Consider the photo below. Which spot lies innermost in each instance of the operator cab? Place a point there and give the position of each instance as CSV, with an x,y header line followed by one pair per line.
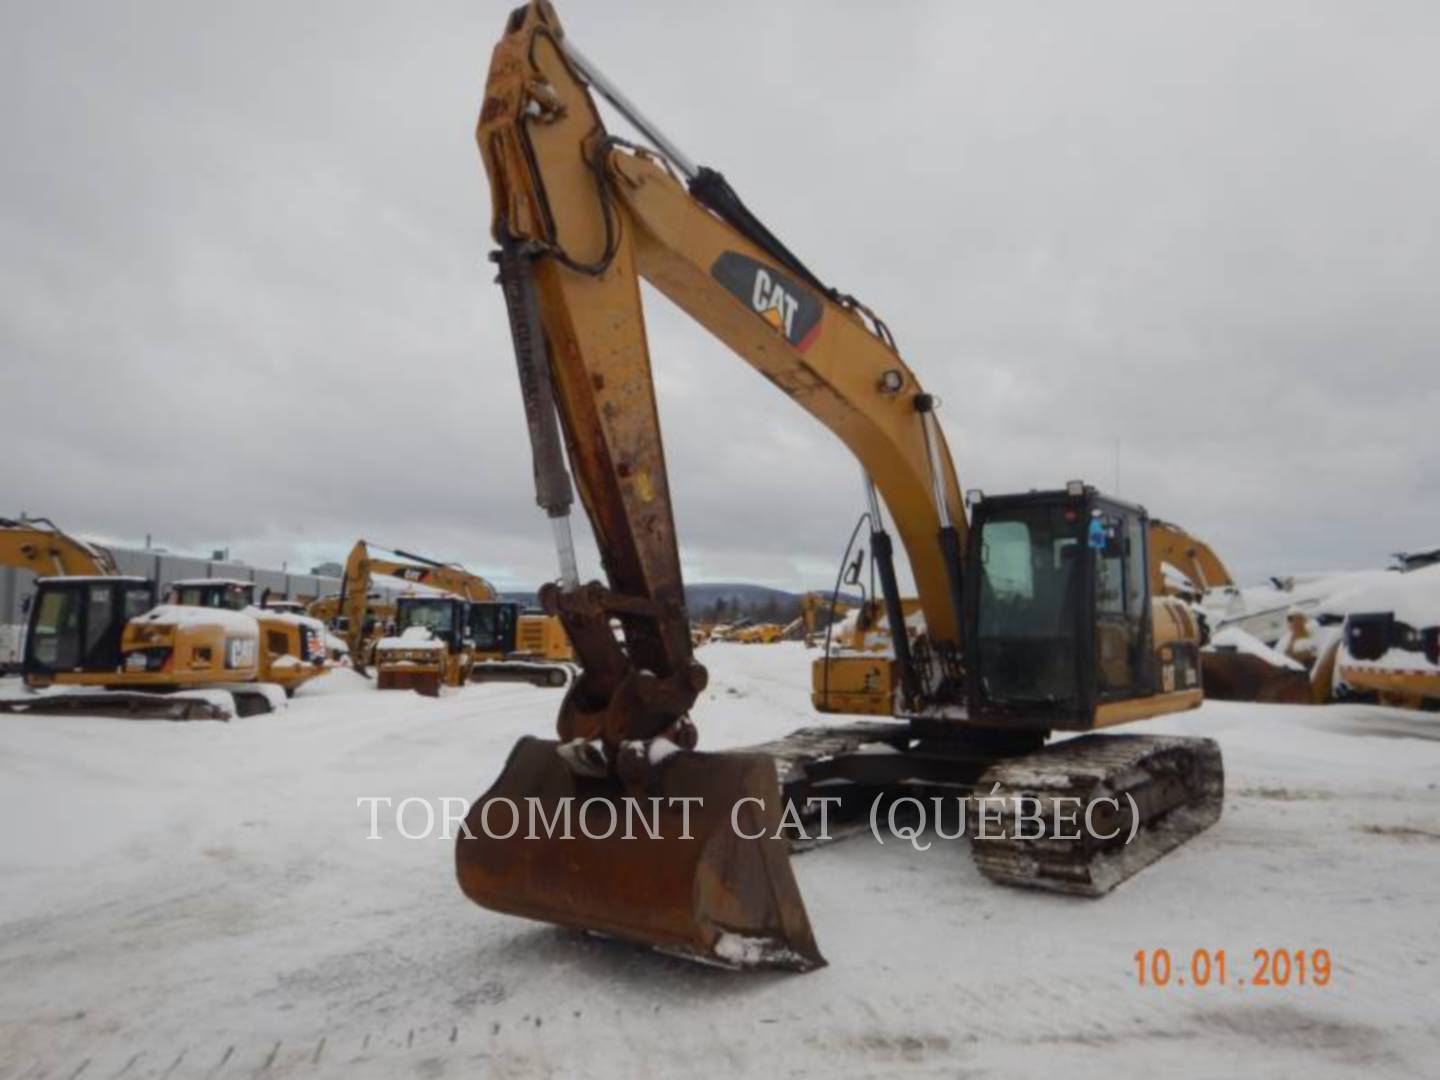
x,y
443,616
226,593
76,623
493,625
1058,619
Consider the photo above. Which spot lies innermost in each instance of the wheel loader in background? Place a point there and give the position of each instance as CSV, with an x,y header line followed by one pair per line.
x,y
1038,613
97,643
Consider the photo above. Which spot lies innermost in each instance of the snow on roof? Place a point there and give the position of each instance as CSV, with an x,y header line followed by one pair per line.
x,y
414,637
1412,597
289,617
1232,637
128,578
236,623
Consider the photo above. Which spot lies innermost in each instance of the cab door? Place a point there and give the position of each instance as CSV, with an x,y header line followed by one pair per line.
x,y
1117,540
55,639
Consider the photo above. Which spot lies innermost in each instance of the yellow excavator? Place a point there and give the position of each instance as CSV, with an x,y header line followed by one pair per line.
x,y
43,548
96,642
292,645
1037,610
1172,546
819,612
458,629
1230,674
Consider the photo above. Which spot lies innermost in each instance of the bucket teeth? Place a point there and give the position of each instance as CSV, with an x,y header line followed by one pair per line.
x,y
1173,786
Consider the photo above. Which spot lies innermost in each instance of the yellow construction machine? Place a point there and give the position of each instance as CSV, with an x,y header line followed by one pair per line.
x,y
292,645
457,629
96,642
1171,546
1388,647
765,633
1206,584
819,612
1037,610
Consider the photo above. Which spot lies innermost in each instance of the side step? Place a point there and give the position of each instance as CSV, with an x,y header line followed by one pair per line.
x,y
1163,789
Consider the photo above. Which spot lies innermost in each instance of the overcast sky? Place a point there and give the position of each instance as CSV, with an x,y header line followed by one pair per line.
x,y
244,297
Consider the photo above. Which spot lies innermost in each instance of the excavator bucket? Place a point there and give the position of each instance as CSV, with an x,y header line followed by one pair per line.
x,y
704,875
1229,675
425,683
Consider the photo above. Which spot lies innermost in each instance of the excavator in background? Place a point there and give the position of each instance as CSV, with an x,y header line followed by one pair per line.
x,y
1204,575
360,618
1037,608
97,643
292,645
43,548
1231,673
459,629
818,613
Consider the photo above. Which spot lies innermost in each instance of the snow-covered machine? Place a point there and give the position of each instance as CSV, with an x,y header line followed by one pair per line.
x,y
1387,649
100,645
293,649
96,642
430,647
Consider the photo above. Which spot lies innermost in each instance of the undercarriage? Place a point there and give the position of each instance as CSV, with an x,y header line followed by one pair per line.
x,y
1077,816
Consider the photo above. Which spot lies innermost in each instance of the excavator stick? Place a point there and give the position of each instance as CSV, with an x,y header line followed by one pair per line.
x,y
688,864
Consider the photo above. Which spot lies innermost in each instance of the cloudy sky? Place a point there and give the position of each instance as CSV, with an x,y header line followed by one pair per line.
x,y
244,297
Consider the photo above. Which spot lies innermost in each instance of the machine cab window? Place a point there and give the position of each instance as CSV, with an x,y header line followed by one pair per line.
x,y
440,615
212,593
492,626
76,623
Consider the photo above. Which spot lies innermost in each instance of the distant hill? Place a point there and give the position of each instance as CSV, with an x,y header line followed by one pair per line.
x,y
736,599
735,594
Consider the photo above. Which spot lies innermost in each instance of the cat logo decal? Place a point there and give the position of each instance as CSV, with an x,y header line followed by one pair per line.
x,y
793,311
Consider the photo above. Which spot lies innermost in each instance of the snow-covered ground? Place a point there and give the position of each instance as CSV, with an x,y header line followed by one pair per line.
x,y
201,900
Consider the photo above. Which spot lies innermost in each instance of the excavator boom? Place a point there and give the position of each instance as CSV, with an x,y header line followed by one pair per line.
x,y
40,546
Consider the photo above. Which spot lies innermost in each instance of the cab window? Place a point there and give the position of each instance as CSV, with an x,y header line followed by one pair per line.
x,y
55,642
